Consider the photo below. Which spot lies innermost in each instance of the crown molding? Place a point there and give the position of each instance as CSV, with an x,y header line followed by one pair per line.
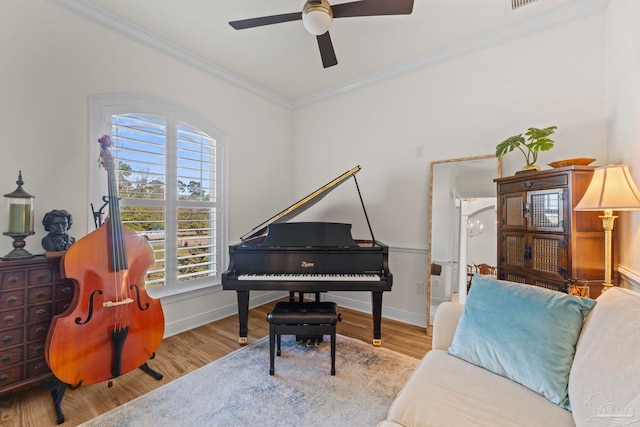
x,y
111,22
573,11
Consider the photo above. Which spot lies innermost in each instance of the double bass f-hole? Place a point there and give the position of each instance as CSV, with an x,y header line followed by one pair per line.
x,y
90,313
146,305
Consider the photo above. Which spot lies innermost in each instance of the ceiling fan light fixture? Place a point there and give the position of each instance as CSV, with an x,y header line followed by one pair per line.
x,y
317,16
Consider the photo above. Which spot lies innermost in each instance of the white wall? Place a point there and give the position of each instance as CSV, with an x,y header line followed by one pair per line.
x,y
51,60
460,108
623,119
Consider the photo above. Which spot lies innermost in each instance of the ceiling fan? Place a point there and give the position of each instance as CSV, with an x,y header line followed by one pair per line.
x,y
317,15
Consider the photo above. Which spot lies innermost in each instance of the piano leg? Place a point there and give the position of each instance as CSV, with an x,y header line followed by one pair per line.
x,y
376,301
243,316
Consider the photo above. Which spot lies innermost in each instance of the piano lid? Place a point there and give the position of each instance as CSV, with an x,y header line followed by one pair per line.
x,y
301,205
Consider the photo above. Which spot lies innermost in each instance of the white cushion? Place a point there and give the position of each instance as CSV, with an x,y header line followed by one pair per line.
x,y
447,391
604,382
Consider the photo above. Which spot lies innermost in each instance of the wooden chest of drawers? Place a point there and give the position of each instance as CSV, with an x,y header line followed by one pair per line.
x,y
31,293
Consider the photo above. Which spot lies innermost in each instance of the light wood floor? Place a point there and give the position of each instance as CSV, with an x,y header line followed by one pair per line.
x,y
183,353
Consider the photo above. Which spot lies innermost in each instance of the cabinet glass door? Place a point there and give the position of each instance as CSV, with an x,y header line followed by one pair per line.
x,y
545,210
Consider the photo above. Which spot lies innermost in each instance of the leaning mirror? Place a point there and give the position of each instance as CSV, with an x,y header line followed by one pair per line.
x,y
462,227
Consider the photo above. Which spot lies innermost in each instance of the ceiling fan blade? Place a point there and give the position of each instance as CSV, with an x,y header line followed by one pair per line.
x,y
265,20
327,53
372,8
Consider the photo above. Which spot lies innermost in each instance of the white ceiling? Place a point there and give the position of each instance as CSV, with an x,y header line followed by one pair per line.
x,y
281,62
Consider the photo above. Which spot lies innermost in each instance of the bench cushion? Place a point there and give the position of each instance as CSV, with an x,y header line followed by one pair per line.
x,y
310,313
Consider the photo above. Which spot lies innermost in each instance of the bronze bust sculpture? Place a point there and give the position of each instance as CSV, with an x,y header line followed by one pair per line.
x,y
57,223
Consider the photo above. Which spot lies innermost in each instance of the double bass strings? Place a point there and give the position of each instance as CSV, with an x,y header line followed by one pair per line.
x,y
118,255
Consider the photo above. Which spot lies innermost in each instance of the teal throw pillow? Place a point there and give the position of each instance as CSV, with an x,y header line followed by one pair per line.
x,y
523,332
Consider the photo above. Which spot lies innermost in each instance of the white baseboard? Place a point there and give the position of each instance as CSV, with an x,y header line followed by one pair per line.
x,y
190,322
389,313
187,323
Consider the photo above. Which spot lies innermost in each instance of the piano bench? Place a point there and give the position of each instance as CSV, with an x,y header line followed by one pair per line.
x,y
299,318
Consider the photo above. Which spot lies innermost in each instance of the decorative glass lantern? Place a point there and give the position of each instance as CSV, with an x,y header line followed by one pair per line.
x,y
19,220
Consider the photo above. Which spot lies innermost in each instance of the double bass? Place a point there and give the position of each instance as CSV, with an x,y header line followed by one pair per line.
x,y
112,326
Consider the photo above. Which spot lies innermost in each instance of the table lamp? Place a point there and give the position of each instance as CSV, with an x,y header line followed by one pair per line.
x,y
611,189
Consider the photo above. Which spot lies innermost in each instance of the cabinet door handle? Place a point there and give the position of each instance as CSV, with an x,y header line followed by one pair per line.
x,y
527,184
527,251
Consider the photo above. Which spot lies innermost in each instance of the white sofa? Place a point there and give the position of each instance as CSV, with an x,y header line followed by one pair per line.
x,y
604,378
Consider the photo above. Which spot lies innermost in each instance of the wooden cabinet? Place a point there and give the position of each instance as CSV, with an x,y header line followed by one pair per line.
x,y
541,240
31,293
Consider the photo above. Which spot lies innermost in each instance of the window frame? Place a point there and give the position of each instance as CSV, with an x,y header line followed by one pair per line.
x,y
101,108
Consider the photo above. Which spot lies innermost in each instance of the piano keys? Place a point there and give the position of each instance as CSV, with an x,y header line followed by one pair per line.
x,y
308,257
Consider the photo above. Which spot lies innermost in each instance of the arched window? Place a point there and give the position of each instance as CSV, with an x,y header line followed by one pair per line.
x,y
170,172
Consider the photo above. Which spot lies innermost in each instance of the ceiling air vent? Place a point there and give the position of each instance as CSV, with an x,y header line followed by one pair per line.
x,y
516,4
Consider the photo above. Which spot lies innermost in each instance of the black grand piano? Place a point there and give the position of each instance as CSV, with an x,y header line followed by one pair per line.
x,y
308,257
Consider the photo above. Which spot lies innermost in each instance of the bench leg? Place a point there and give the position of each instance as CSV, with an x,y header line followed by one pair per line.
x,y
333,350
279,340
272,339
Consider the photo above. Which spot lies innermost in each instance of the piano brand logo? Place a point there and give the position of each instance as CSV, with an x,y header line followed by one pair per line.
x,y
307,264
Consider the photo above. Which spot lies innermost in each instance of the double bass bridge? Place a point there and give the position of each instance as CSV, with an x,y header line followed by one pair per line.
x,y
117,303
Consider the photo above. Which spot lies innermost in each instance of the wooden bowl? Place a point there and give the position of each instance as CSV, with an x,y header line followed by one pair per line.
x,y
582,161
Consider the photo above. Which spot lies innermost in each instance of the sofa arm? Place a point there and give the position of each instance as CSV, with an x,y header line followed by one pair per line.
x,y
445,323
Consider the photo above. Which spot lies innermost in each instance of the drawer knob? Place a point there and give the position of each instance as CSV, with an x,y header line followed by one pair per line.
x,y
9,319
40,348
7,339
40,277
5,358
66,290
13,279
12,299
3,378
41,312
40,295
41,330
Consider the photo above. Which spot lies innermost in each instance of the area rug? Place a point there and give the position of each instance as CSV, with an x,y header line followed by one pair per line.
x,y
237,389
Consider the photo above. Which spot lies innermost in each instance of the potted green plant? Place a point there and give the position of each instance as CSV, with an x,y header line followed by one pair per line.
x,y
536,140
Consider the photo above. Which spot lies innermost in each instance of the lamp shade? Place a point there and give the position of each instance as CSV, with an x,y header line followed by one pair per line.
x,y
611,188
317,17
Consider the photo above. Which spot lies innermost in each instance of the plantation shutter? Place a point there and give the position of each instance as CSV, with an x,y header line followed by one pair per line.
x,y
166,174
